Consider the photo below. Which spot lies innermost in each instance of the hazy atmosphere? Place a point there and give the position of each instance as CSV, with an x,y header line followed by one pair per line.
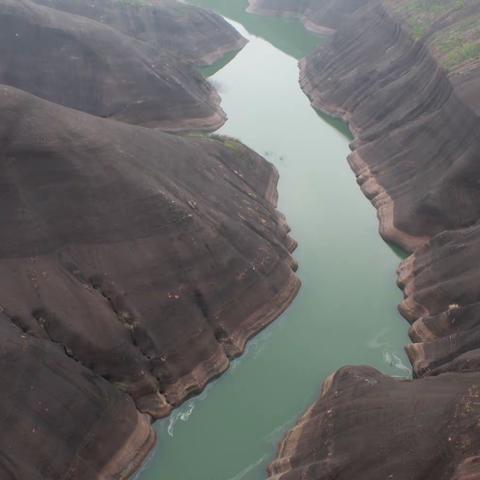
x,y
240,239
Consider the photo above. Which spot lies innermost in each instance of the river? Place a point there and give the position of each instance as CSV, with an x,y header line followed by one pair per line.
x,y
346,310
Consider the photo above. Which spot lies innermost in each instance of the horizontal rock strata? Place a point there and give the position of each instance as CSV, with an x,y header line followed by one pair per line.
x,y
82,63
61,420
192,34
441,285
451,31
416,142
412,105
407,118
134,265
320,17
368,426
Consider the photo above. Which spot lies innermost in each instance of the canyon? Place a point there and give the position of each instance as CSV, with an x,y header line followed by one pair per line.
x,y
59,52
404,75
134,264
345,312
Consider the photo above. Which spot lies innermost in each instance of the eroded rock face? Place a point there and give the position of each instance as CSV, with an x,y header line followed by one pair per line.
x,y
442,302
78,62
140,260
408,118
417,143
191,33
318,16
59,419
386,71
369,426
451,30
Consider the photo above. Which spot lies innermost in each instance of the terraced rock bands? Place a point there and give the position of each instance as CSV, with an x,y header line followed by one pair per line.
x,y
393,71
134,264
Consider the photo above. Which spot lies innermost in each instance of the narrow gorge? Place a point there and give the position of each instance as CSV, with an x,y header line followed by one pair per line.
x,y
142,254
134,264
404,75
345,311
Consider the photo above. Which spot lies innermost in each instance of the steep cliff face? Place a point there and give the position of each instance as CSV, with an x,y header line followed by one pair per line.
x,y
59,419
191,33
144,260
321,17
84,64
407,117
416,142
368,426
442,302
451,30
404,74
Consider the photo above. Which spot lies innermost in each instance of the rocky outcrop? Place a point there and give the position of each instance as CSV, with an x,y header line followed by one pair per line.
x,y
368,426
81,63
191,33
134,265
320,17
410,99
416,142
59,419
407,117
442,302
451,31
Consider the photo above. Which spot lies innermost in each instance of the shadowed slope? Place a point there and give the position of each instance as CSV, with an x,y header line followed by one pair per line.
x,y
83,64
416,157
148,258
319,16
416,142
60,420
191,33
369,426
440,283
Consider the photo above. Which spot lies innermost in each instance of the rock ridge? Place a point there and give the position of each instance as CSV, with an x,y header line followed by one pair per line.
x,y
415,155
96,64
134,264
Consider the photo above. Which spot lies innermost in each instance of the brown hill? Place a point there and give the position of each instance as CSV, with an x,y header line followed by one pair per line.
x,y
131,262
78,62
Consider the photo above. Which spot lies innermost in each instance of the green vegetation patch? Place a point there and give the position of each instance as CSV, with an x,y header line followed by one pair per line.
x,y
421,14
133,3
454,31
458,43
229,142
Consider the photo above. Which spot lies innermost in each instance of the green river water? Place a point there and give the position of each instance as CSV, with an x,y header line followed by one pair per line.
x,y
346,310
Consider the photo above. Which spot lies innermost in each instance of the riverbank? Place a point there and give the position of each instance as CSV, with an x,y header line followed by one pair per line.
x,y
415,150
135,264
232,429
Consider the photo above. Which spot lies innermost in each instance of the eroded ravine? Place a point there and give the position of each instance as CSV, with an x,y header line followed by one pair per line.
x,y
345,312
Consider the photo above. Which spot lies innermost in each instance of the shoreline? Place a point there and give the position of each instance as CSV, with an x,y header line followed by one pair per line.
x,y
196,381
296,456
320,30
368,183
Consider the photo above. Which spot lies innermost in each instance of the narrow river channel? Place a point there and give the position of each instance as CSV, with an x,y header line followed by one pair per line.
x,y
346,310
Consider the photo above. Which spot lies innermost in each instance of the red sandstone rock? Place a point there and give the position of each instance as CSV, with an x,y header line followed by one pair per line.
x,y
81,63
139,262
368,426
416,158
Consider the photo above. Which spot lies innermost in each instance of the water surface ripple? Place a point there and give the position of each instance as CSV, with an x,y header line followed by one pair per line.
x,y
345,312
